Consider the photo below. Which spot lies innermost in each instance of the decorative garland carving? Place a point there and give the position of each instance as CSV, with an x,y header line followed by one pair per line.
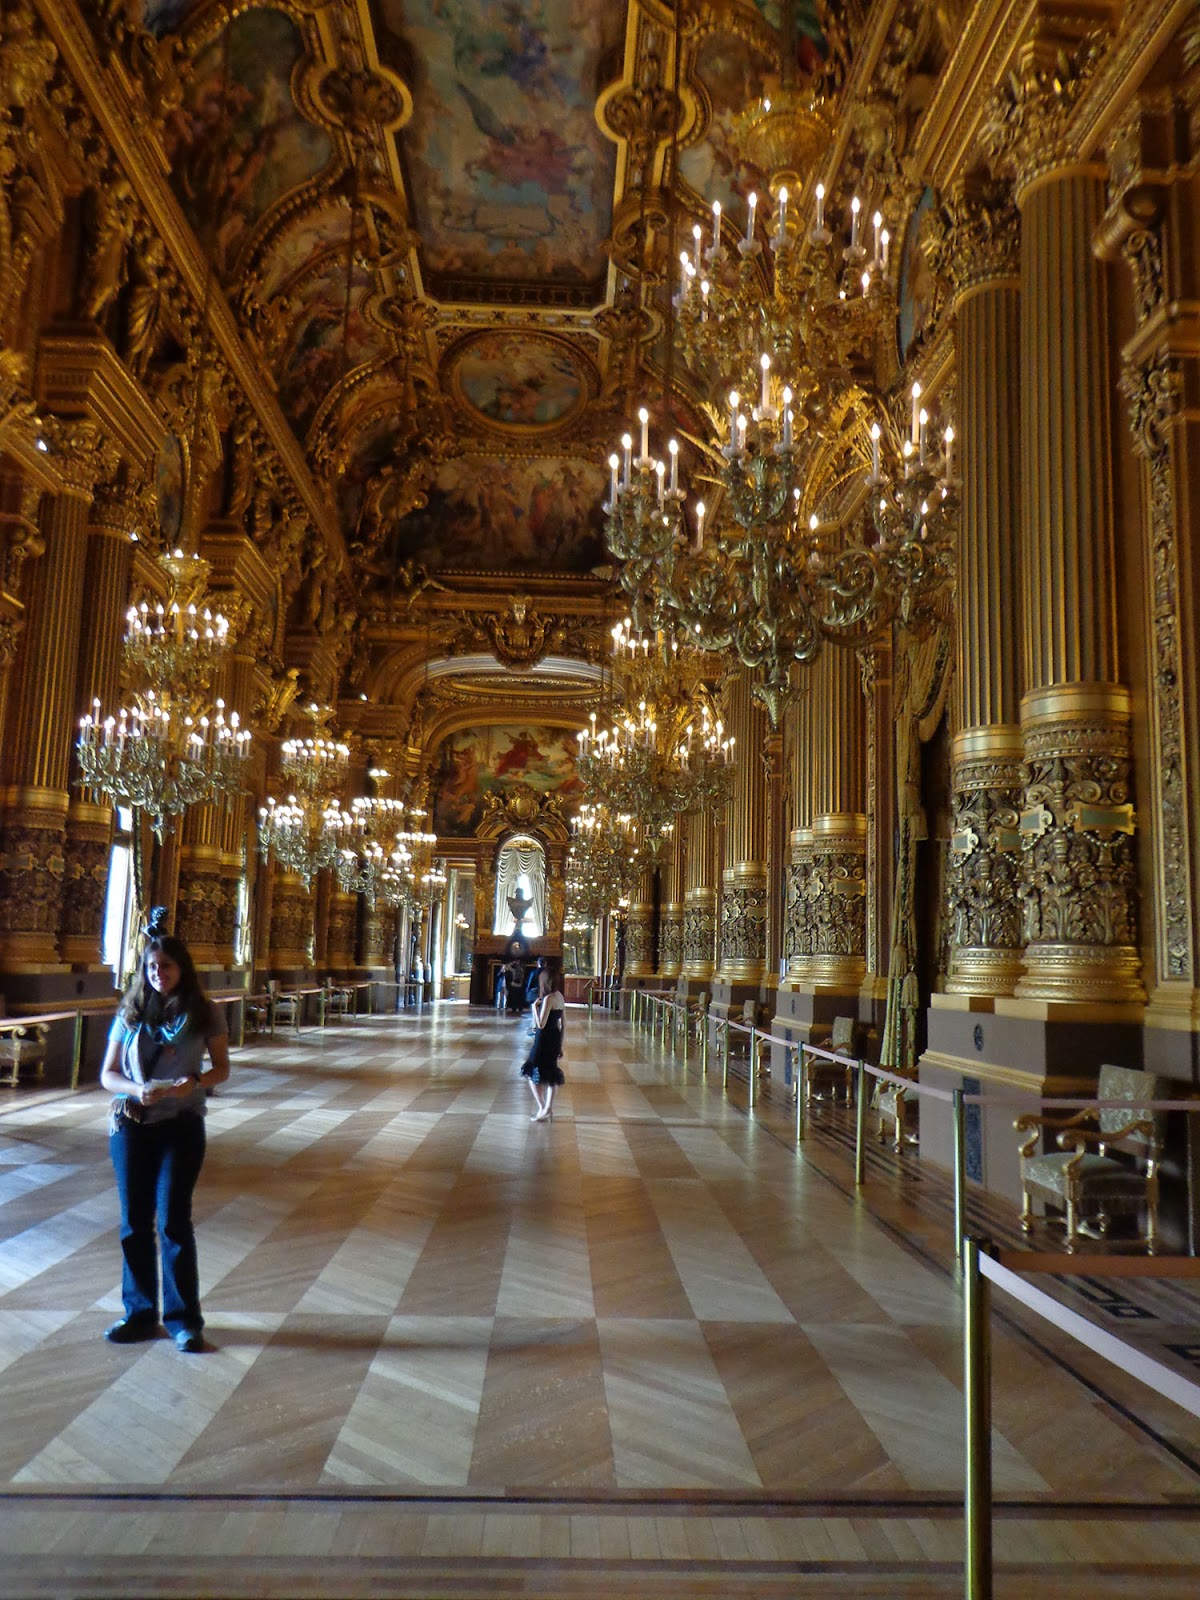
x,y
670,939
836,898
983,875
699,934
639,940
744,924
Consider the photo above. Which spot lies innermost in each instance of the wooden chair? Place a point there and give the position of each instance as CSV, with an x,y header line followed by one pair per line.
x,y
823,1078
1107,1160
338,1002
900,1106
22,1049
285,1009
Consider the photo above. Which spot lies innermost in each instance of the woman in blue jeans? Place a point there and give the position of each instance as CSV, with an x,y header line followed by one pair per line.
x,y
155,1067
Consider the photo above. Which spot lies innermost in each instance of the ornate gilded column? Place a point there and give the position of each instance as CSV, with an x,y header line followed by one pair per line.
x,y
670,921
113,519
743,930
984,868
798,741
836,888
1153,226
342,927
291,925
1079,877
700,900
639,929
42,716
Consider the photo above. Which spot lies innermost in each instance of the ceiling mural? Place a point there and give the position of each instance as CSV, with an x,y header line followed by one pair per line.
x,y
732,73
474,763
165,16
237,148
299,242
493,515
510,175
517,380
324,346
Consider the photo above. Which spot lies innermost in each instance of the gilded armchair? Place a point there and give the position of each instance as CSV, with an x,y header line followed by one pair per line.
x,y
1107,1160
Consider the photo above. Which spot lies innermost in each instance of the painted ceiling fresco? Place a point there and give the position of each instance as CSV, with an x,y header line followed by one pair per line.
x,y
477,762
517,381
238,146
510,175
486,513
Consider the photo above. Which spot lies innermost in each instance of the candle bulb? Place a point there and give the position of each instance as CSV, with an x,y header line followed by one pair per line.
x,y
613,465
884,239
716,244
949,437
699,527
787,428
750,218
734,401
781,220
644,419
922,419
673,448
875,437
855,208
741,440
764,362
916,413
866,283
627,446
820,207
877,221
661,473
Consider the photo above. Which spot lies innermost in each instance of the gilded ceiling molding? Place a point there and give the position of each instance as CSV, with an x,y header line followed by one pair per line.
x,y
108,99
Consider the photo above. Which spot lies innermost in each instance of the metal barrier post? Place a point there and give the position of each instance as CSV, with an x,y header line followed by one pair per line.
x,y
752,1062
704,1044
860,1124
977,1365
801,1080
241,1024
724,1025
960,1174
76,1051
685,1018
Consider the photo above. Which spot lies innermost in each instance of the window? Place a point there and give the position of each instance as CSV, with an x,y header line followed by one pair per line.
x,y
120,902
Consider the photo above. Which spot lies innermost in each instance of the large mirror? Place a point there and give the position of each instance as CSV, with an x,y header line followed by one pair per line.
x,y
521,888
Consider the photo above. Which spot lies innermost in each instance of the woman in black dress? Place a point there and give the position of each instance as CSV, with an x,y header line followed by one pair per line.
x,y
541,1069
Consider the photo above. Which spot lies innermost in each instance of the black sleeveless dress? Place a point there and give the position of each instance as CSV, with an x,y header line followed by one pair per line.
x,y
541,1065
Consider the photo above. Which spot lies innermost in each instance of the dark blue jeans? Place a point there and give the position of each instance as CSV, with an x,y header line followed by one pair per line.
x,y
157,1166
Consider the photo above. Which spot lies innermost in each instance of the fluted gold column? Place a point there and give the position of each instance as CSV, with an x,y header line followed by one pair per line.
x,y
1076,823
984,868
639,929
798,741
102,623
836,889
700,899
743,931
670,922
42,720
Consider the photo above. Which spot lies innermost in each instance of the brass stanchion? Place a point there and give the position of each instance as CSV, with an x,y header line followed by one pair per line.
x,y
960,1175
751,1064
724,1026
704,1044
977,1386
800,1078
860,1124
76,1051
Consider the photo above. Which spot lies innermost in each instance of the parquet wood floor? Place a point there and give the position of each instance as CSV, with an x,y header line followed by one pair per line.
x,y
646,1348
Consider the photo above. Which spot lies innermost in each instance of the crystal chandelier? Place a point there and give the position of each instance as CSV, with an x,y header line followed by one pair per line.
x,y
666,751
362,864
604,862
172,746
419,844
309,831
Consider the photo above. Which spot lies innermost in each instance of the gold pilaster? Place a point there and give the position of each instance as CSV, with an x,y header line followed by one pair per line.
x,y
291,924
799,908
639,930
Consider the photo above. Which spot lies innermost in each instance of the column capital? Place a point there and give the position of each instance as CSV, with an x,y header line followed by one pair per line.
x,y
1028,133
985,235
81,453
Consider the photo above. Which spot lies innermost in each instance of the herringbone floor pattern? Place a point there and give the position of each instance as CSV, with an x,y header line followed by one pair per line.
x,y
644,1348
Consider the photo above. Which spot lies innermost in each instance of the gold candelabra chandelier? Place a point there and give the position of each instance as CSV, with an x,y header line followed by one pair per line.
x,y
309,831
604,862
365,860
666,750
172,746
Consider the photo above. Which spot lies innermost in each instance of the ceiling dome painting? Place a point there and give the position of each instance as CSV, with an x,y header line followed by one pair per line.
x,y
510,175
514,380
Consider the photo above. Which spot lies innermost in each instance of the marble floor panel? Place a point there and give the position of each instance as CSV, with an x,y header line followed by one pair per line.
x,y
648,1347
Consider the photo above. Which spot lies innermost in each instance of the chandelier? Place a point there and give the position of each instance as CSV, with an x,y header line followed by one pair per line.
x,y
362,864
666,750
604,862
172,746
309,831
378,874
